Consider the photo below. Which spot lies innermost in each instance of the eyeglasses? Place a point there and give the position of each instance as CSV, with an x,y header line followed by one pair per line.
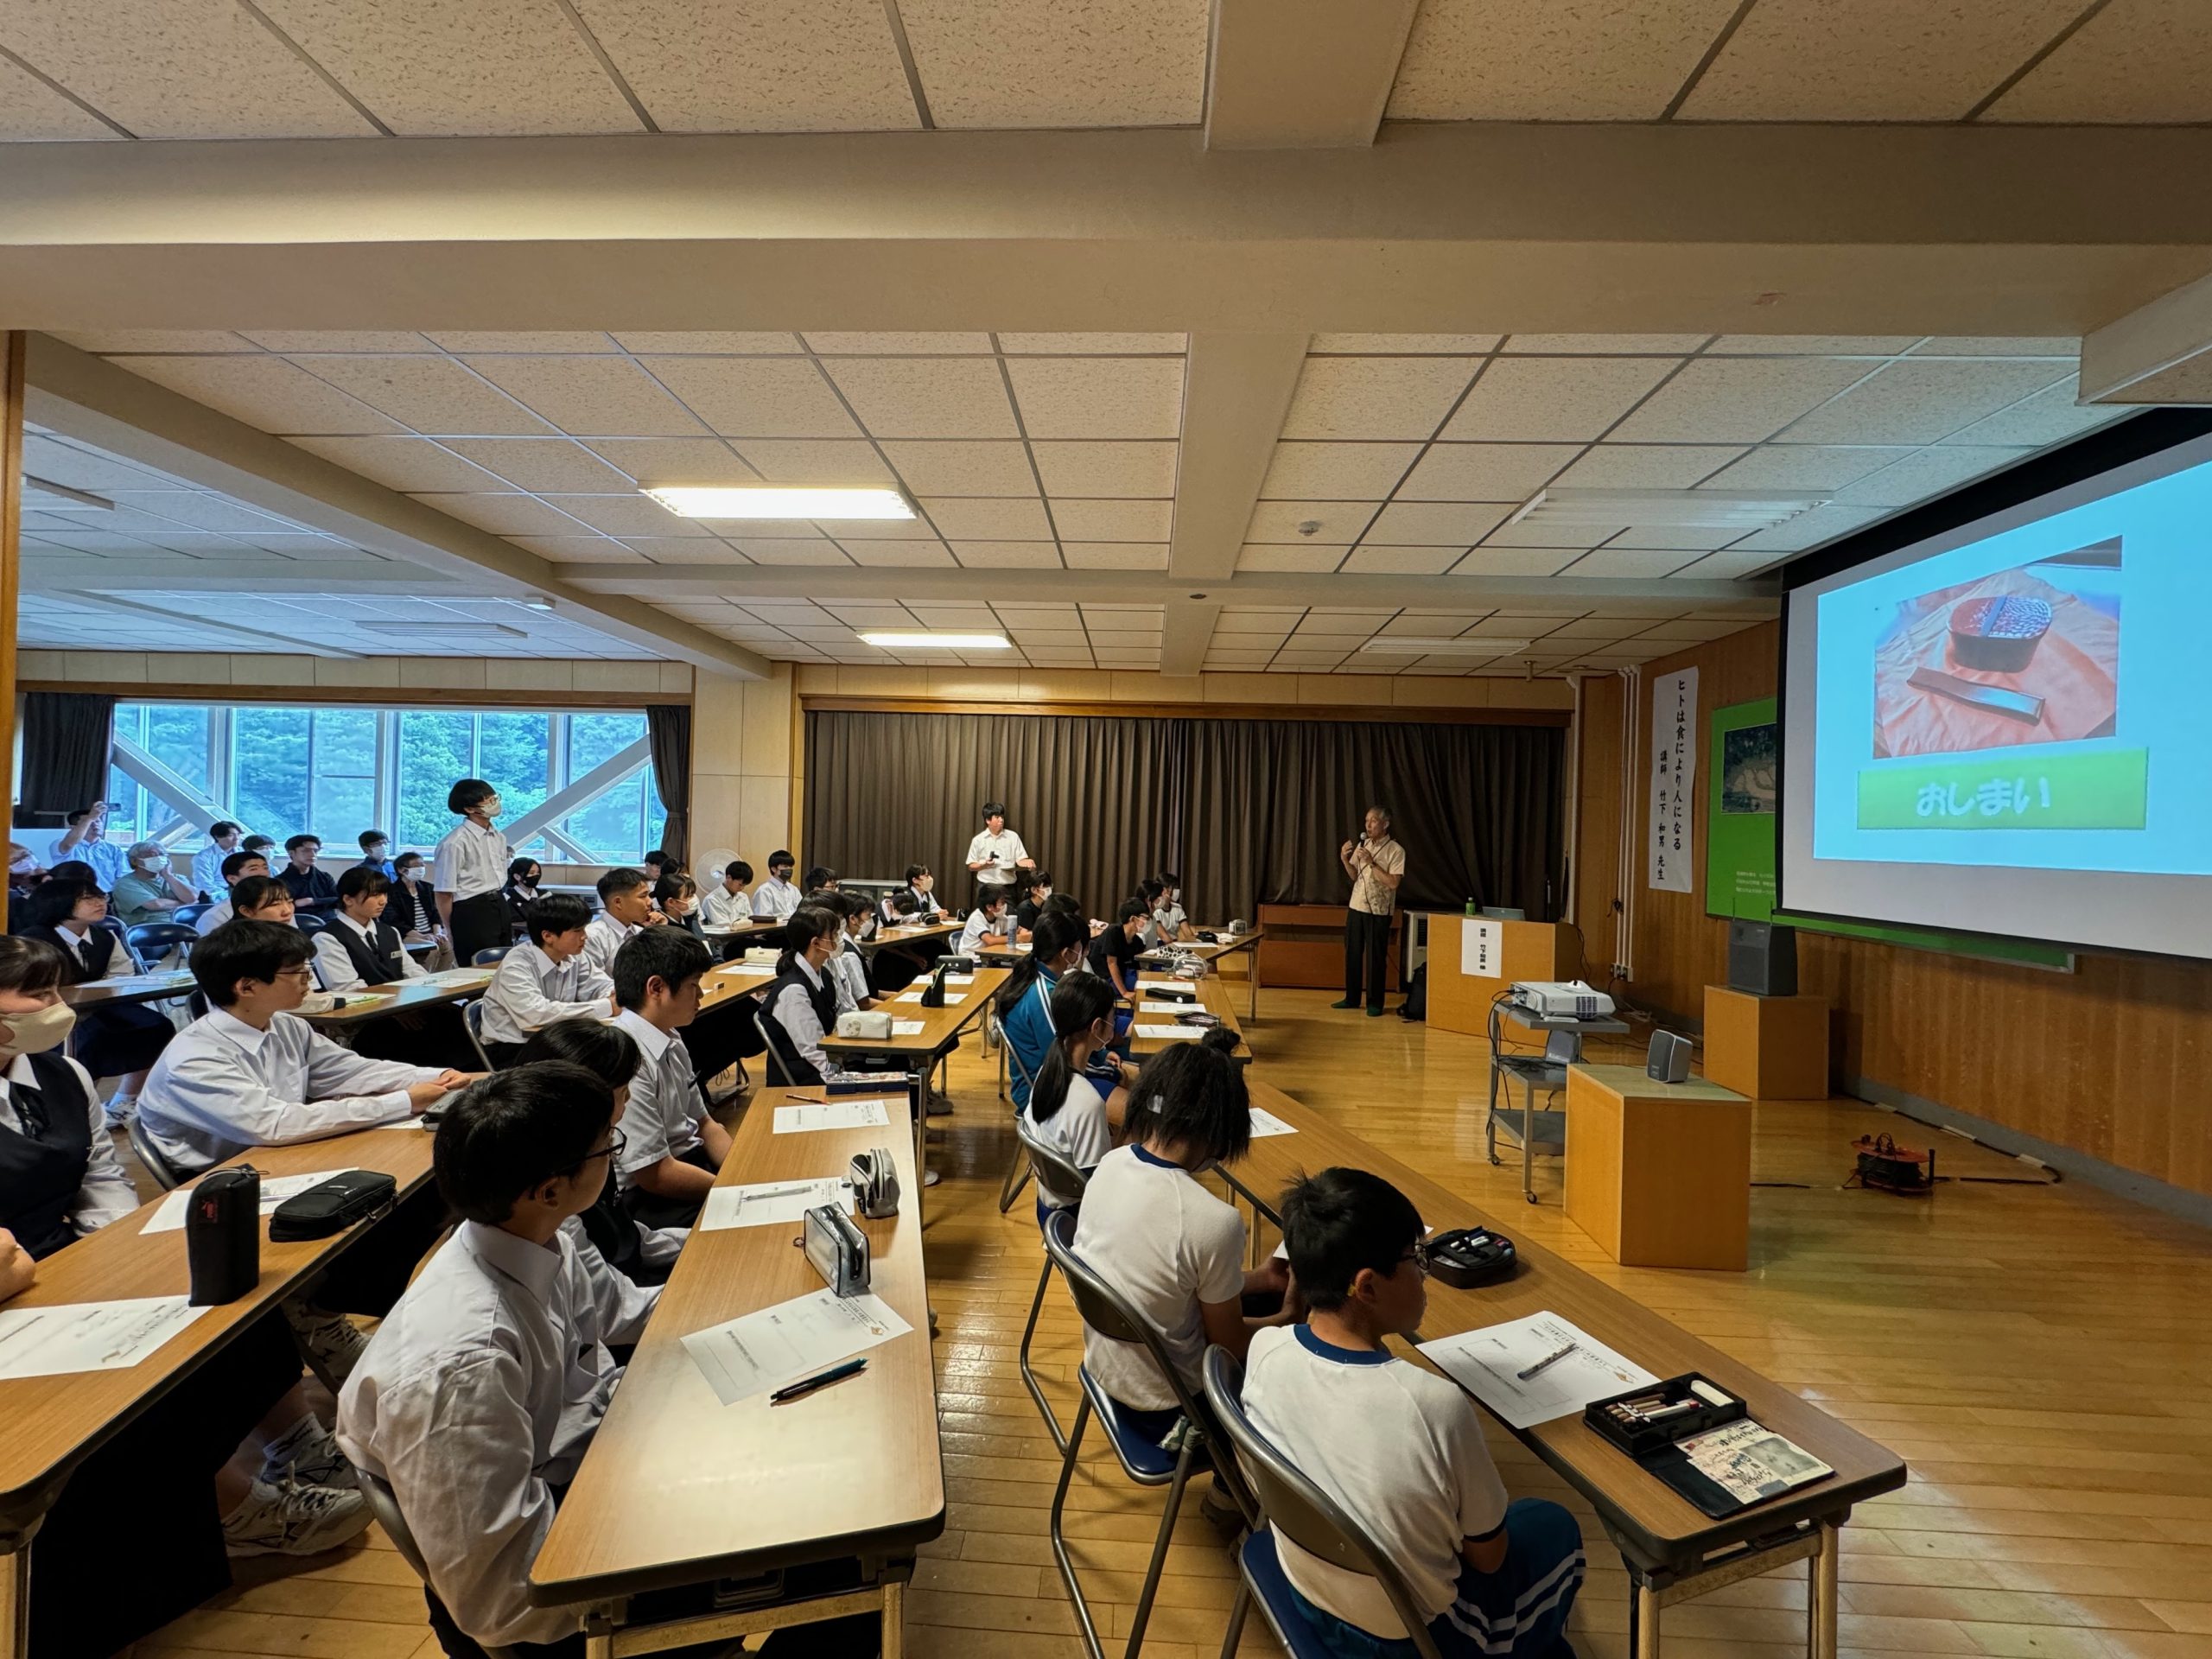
x,y
1418,1255
301,972
612,1149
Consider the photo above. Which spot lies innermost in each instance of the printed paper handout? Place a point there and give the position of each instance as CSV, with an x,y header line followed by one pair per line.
x,y
810,1116
88,1336
777,1345
1265,1123
1532,1369
168,1214
771,1203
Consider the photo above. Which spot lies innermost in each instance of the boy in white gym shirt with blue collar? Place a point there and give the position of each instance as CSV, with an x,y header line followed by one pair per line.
x,y
1400,1449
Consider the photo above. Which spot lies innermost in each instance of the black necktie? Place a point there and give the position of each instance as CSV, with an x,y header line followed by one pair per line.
x,y
30,1109
94,958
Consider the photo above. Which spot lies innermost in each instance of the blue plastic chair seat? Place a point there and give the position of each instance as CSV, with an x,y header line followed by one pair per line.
x,y
1142,1461
1263,1572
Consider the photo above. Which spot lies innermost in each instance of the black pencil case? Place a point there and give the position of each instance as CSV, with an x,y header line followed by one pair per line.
x,y
332,1206
1715,1406
1467,1256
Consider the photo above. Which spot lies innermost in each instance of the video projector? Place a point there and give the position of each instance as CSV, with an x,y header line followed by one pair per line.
x,y
1561,999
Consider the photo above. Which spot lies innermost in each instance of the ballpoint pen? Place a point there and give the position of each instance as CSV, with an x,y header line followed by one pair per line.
x,y
835,1373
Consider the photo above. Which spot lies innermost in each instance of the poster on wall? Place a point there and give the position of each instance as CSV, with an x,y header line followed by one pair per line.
x,y
1674,773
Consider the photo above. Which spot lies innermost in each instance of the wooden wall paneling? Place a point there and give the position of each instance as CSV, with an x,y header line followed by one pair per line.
x,y
11,510
2110,1060
1597,824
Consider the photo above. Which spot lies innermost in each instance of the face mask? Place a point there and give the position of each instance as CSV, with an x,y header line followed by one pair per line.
x,y
38,1031
153,865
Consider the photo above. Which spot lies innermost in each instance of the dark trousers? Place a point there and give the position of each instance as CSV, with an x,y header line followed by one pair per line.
x,y
368,1276
155,1482
480,923
1367,943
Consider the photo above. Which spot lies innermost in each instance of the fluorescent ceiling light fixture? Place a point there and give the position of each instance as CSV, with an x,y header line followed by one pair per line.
x,y
444,629
928,641
778,501
1408,644
1739,510
45,496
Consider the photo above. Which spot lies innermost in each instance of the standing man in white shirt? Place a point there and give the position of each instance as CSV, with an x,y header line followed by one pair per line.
x,y
208,863
997,853
1376,864
469,871
775,899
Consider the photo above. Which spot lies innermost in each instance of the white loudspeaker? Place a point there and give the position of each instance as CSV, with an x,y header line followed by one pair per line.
x,y
1668,1060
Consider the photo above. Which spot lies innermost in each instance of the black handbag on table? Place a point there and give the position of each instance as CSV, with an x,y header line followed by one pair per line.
x,y
334,1206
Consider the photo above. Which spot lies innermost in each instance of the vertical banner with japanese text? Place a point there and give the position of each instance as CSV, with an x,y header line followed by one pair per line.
x,y
1674,770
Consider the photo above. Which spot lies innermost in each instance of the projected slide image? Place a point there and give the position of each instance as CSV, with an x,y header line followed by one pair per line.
x,y
2029,655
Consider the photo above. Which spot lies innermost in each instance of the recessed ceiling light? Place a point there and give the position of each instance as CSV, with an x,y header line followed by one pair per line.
x,y
777,501
1407,645
536,602
46,496
1738,509
913,641
444,629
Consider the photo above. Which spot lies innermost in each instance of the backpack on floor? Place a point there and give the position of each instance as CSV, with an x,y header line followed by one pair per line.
x,y
1415,1007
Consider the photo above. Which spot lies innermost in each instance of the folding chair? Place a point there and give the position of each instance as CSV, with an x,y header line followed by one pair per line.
x,y
167,1175
1056,1178
1302,1512
1017,1174
150,942
1105,1310
471,1016
485,957
385,1506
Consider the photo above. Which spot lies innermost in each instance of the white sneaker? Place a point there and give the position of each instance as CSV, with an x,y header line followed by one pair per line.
x,y
286,1518
331,1343
118,1109
309,1454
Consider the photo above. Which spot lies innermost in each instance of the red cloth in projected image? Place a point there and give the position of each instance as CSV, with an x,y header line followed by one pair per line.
x,y
2075,671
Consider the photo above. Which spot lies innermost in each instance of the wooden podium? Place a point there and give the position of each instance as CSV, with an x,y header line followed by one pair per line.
x,y
1766,1047
1659,1174
1500,953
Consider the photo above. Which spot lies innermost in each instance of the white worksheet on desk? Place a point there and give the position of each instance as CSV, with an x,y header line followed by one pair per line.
x,y
953,999
960,979
457,976
773,1204
789,1342
1169,1034
907,1028
1265,1123
88,1336
168,1214
836,1114
1488,1364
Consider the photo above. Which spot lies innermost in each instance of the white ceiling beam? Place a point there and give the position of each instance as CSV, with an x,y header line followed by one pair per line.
x,y
1449,226
254,639
1187,633
2159,353
1302,74
86,397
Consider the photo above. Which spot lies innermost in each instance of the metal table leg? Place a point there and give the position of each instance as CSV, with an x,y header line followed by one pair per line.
x,y
1826,1570
16,1601
1529,1139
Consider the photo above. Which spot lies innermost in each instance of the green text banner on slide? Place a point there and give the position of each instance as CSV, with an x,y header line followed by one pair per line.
x,y
1740,802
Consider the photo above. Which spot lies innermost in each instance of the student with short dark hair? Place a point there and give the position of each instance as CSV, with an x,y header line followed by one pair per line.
x,y
626,910
775,899
676,895
1025,914
987,923
1113,953
1173,1250
1150,893
1070,1108
85,840
922,885
728,903
1168,916
1025,1001
235,868
821,879
481,1391
676,1147
1399,1448
801,1002
206,872
658,863
521,891
470,870
122,1040
262,899
414,912
311,886
359,948
376,852
262,844
545,979
847,968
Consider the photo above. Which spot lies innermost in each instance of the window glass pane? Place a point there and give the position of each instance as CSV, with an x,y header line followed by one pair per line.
x,y
437,751
268,769
515,758
595,738
177,737
123,826
611,828
344,789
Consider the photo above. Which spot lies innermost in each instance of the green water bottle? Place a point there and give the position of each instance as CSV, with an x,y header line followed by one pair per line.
x,y
1471,907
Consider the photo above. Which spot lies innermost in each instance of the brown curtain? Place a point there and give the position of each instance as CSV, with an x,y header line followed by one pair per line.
x,y
1097,801
668,730
68,737
1247,811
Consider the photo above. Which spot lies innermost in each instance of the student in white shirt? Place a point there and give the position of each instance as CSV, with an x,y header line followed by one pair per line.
x,y
470,871
996,852
1399,1448
775,899
85,840
208,863
122,1039
357,942
923,885
261,899
1168,916
675,1148
802,1001
626,910
482,1388
1150,892
987,923
235,867
1071,1109
729,902
544,979
414,910
849,968
1174,1250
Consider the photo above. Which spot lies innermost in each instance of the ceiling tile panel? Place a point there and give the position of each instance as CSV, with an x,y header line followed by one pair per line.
x,y
1729,566
963,467
1803,467
1339,522
927,396
2048,417
432,69
1253,556
1099,398
630,515
1435,524
1871,60
1552,399
784,551
1484,472
1060,63
1811,345
758,66
653,461
534,464
178,69
268,392
1573,61
590,396
1115,556
1998,346
1604,345
1376,396
756,397
1739,400
1810,530
435,395
706,343
1913,401
2138,61
1646,465
1113,521
1346,472
1626,564
1007,555
899,555
1004,520
1402,345
1926,473
816,461
865,343
1092,345
1402,561
505,515
1145,469
33,112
